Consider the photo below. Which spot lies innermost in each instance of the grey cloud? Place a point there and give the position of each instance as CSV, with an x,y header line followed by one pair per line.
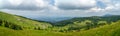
x,y
25,5
72,7
75,4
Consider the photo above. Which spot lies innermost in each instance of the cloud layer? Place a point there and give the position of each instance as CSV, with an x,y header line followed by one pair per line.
x,y
24,4
75,4
61,7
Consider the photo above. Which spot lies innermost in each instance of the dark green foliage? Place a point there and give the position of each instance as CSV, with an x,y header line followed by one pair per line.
x,y
74,28
88,25
95,26
11,25
7,24
94,19
0,23
94,22
37,28
18,22
16,27
78,24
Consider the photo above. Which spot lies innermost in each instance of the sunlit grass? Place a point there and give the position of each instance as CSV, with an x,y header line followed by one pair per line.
x,y
28,26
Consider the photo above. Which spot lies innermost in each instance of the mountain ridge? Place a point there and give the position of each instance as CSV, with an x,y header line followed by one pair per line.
x,y
13,25
11,21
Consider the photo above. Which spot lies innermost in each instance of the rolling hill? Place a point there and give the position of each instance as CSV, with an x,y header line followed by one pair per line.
x,y
85,23
106,30
108,19
18,22
13,25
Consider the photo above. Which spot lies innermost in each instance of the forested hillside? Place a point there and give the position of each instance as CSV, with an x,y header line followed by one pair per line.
x,y
86,23
21,23
13,25
106,30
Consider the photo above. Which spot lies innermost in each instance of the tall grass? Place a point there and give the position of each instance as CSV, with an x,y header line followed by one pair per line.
x,y
24,23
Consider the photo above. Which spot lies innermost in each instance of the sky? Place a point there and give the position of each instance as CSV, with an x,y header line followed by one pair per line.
x,y
61,8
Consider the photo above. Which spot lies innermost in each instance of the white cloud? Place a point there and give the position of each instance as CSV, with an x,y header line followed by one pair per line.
x,y
41,3
15,2
24,4
61,7
110,5
98,9
75,4
0,3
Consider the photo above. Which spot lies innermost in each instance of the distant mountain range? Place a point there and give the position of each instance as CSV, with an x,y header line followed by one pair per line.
x,y
52,19
57,19
13,25
108,15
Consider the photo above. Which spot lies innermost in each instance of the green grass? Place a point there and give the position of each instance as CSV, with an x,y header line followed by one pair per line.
x,y
106,30
23,22
9,32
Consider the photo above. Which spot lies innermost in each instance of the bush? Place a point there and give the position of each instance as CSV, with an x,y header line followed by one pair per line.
x,y
0,23
37,28
16,27
10,25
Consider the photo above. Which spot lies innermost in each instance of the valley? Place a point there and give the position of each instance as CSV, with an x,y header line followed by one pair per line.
x,y
14,25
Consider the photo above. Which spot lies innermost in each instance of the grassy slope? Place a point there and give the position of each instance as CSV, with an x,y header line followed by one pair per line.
x,y
23,22
9,32
107,30
93,19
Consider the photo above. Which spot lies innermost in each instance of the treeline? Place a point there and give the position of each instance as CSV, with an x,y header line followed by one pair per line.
x,y
17,27
86,23
75,24
10,25
108,19
21,23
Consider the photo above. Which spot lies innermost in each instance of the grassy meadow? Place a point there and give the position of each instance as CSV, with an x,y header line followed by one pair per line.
x,y
12,25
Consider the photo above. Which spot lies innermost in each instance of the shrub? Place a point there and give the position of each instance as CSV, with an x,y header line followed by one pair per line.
x,y
16,27
10,25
